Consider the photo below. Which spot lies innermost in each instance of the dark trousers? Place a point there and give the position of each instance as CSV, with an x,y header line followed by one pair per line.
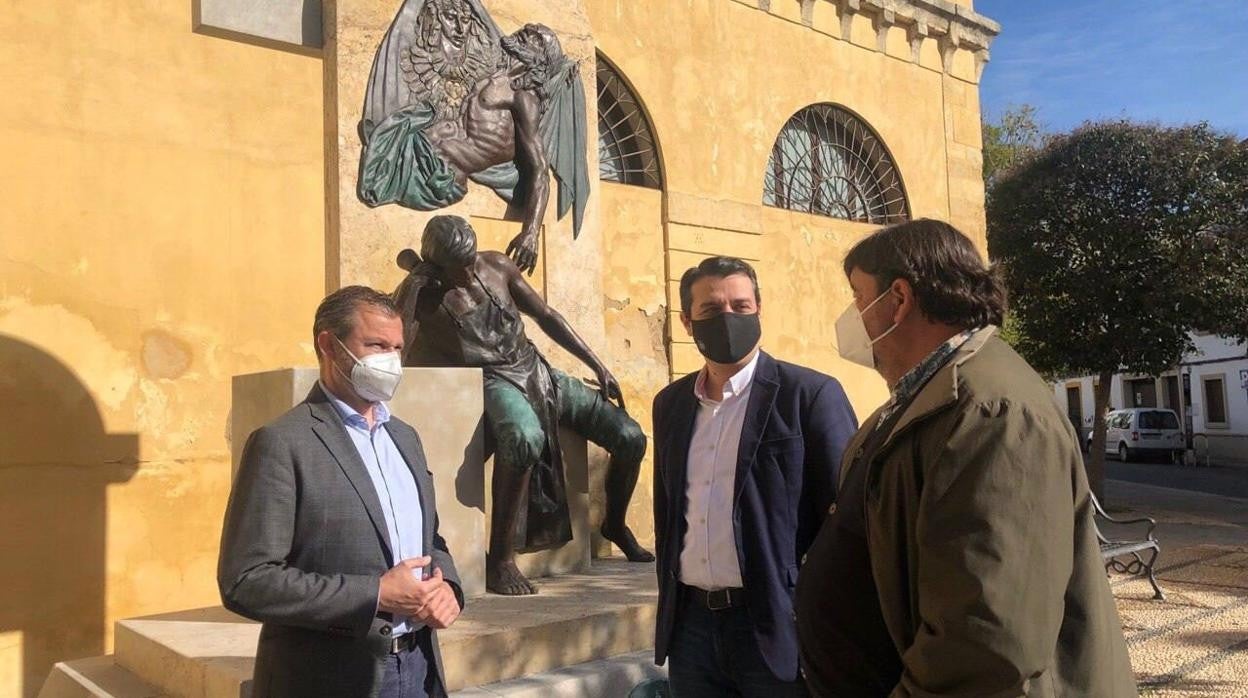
x,y
714,654
409,672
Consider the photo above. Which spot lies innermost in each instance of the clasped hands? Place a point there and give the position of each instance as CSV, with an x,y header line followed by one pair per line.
x,y
406,591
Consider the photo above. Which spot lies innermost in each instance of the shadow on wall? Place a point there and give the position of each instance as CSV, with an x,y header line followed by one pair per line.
x,y
469,489
56,462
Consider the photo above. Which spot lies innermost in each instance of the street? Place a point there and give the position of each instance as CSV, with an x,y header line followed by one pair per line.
x,y
1228,481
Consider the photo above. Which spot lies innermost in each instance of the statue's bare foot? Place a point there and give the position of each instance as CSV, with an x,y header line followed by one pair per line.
x,y
505,578
627,543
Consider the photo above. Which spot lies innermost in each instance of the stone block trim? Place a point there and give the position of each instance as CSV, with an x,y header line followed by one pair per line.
x,y
954,27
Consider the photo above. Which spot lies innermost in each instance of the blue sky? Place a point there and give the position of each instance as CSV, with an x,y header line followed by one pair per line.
x,y
1172,61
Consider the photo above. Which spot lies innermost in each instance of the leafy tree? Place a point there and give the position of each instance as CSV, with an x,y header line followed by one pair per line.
x,y
1116,241
1009,141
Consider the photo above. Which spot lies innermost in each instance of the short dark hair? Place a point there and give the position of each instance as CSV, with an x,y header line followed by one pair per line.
x,y
719,268
950,280
336,312
448,242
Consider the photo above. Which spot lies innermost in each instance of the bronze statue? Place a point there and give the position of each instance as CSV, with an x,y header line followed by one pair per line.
x,y
451,99
463,308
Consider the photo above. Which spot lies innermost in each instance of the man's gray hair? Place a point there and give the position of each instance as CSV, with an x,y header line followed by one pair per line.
x,y
337,311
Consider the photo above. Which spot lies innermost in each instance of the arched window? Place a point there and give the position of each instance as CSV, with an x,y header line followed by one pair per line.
x,y
626,148
829,162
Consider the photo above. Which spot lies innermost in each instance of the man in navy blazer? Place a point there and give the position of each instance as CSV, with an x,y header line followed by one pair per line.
x,y
746,457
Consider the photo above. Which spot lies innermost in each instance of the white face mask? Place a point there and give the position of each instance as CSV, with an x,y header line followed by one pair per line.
x,y
376,376
852,341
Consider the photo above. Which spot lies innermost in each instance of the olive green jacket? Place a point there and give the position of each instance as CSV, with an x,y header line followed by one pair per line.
x,y
982,542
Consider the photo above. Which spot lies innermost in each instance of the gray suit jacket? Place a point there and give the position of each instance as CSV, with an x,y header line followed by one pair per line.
x,y
303,550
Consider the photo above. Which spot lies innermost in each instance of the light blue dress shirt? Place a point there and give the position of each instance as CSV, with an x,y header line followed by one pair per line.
x,y
395,485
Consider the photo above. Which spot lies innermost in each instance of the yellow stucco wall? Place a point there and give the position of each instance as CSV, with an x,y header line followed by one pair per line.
x,y
634,290
718,79
161,229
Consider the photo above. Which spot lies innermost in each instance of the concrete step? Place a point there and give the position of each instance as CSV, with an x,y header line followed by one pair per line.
x,y
613,677
201,653
574,619
95,677
608,611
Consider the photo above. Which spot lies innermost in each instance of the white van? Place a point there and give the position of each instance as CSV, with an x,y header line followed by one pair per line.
x,y
1143,431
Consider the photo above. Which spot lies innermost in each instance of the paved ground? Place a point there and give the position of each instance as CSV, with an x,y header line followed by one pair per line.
x,y
1184,518
1195,642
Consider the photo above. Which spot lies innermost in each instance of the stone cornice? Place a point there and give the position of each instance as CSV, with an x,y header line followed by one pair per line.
x,y
954,27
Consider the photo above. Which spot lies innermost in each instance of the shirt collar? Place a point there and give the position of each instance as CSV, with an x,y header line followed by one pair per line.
x,y
736,385
381,413
919,375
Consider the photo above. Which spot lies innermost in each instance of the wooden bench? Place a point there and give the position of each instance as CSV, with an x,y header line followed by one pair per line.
x,y
1112,550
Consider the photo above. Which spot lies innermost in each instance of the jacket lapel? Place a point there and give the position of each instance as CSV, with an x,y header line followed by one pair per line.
x,y
333,433
405,440
757,413
684,412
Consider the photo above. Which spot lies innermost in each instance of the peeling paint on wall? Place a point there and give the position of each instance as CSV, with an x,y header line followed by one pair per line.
x,y
164,355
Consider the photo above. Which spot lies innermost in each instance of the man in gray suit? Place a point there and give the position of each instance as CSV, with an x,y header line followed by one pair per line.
x,y
331,535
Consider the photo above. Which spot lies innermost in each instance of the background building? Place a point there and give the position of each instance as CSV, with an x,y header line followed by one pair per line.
x,y
1208,389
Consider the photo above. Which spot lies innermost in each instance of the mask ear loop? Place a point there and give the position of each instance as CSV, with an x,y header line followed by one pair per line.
x,y
346,376
885,333
871,305
344,348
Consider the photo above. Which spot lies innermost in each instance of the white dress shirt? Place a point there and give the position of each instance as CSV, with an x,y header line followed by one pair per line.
x,y
708,557
395,485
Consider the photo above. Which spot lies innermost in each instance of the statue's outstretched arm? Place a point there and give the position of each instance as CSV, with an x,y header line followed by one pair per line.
x,y
531,159
556,327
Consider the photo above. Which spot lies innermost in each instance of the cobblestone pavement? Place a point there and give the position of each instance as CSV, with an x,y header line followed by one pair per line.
x,y
1195,642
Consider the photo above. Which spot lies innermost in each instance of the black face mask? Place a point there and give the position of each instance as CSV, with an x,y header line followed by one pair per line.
x,y
728,337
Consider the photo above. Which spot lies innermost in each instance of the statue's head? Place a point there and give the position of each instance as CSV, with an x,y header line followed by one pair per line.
x,y
453,29
537,48
453,45
454,19
449,243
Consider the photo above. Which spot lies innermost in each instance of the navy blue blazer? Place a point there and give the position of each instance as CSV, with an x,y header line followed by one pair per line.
x,y
797,423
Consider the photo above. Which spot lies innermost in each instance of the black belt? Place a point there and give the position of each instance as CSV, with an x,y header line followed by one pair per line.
x,y
403,643
718,600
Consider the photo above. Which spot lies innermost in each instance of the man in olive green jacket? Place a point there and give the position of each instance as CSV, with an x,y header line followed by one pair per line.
x,y
960,558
